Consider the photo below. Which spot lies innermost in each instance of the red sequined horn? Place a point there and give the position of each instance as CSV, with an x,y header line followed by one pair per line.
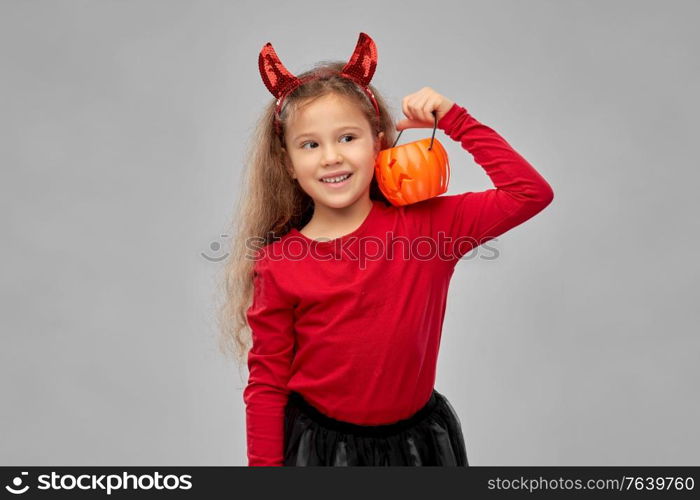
x,y
280,81
363,61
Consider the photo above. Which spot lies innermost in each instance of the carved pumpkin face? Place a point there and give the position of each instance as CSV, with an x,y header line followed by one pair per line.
x,y
412,172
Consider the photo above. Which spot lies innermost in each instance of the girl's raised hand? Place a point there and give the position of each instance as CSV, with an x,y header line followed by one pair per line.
x,y
418,108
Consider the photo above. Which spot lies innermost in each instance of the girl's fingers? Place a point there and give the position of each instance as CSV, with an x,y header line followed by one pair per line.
x,y
411,104
428,110
422,112
420,105
405,124
422,108
406,110
428,106
423,105
418,102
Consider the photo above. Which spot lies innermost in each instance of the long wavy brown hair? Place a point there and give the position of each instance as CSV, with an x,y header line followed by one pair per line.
x,y
272,202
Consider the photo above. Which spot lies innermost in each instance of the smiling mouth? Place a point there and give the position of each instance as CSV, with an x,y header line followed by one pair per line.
x,y
337,183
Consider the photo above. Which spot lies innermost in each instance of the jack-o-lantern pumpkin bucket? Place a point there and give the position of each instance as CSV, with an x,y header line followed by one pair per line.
x,y
414,171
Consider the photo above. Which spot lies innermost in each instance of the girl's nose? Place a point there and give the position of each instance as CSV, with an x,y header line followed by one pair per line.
x,y
331,158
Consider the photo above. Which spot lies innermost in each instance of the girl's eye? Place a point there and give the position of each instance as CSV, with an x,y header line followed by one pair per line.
x,y
313,142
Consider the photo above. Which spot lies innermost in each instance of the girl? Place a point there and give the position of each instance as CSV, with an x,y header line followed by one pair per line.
x,y
345,308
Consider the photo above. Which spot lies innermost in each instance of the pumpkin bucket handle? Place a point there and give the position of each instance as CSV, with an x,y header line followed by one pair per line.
x,y
431,139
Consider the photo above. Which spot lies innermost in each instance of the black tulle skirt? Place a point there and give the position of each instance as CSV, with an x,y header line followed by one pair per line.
x,y
430,437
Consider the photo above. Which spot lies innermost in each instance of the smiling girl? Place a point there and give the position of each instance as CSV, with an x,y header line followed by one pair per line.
x,y
342,353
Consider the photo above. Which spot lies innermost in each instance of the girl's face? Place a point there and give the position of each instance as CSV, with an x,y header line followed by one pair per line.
x,y
330,137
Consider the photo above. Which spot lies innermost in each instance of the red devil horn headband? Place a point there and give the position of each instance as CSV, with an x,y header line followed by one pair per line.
x,y
280,81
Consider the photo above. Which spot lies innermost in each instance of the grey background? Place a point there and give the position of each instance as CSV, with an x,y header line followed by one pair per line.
x,y
123,130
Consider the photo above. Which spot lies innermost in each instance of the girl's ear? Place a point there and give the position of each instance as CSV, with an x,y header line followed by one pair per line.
x,y
378,142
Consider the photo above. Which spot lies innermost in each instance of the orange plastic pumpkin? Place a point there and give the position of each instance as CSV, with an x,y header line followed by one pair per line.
x,y
413,172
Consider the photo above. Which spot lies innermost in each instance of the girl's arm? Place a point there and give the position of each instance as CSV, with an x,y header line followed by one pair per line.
x,y
472,218
271,319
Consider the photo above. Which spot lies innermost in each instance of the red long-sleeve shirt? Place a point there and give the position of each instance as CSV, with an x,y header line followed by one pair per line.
x,y
356,329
